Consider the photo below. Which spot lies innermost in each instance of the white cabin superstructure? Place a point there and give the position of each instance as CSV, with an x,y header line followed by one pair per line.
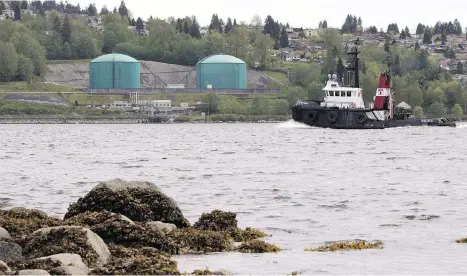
x,y
342,97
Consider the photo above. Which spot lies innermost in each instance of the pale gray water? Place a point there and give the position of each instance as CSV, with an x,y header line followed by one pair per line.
x,y
304,186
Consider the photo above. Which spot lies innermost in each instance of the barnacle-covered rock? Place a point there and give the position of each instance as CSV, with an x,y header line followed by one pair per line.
x,y
138,200
67,239
33,264
20,222
192,240
132,261
4,268
206,271
463,240
115,229
347,246
257,246
32,272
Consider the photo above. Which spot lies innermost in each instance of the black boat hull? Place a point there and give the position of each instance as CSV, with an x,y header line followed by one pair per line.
x,y
325,117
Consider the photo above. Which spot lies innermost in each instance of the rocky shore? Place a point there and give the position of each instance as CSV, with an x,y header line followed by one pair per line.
x,y
119,227
72,121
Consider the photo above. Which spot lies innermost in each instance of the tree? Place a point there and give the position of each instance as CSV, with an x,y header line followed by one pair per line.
x,y
420,29
403,35
418,112
427,37
122,10
25,68
194,29
216,24
443,39
24,5
228,26
284,40
457,111
17,11
460,68
66,29
139,26
325,24
417,46
2,6
104,10
407,32
8,61
436,109
92,10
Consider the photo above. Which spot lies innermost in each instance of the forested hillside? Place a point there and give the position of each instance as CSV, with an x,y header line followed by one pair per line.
x,y
44,32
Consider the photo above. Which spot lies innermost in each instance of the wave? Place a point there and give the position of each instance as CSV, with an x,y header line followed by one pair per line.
x,y
292,124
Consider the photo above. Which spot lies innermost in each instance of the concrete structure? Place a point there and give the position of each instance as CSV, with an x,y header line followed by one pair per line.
x,y
221,72
114,71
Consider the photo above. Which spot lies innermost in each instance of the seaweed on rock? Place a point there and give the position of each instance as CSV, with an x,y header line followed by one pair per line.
x,y
21,222
347,246
257,246
115,229
61,240
463,240
192,240
132,261
44,264
221,221
139,201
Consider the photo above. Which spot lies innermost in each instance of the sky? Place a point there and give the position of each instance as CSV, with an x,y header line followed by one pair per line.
x,y
301,13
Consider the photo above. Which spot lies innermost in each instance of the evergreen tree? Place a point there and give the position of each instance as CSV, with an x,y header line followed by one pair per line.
x,y
139,25
17,13
216,24
393,28
66,29
420,29
194,30
133,22
407,32
115,11
427,37
57,25
229,26
179,26
284,40
2,6
104,10
320,25
186,27
437,28
386,46
417,46
443,39
92,10
24,5
235,22
335,52
403,35
460,68
325,24
457,27
122,10
396,68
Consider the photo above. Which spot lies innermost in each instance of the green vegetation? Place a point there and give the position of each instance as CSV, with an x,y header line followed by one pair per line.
x,y
28,46
346,246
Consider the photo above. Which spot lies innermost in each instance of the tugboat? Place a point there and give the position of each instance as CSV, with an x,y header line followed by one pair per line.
x,y
344,108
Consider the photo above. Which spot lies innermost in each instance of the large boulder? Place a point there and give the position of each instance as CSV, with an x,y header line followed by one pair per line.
x,y
10,251
116,229
4,235
138,200
20,222
4,268
32,272
68,239
132,261
70,264
194,241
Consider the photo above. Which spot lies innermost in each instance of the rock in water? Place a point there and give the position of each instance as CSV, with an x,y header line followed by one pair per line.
x,y
218,221
115,229
132,261
68,239
138,200
20,222
32,272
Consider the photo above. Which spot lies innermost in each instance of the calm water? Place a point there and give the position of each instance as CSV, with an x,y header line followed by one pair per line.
x,y
304,186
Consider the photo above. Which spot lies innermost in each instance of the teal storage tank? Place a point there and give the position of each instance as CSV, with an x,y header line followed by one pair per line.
x,y
221,72
114,71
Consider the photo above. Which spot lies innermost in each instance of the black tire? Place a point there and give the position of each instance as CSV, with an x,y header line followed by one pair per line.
x,y
311,116
332,117
361,118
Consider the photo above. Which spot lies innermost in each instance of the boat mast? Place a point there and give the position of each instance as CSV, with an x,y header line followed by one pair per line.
x,y
354,66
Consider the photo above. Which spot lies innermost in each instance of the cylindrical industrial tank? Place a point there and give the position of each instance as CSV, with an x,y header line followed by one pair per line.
x,y
221,72
114,71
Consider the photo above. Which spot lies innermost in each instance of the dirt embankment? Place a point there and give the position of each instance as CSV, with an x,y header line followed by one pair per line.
x,y
153,74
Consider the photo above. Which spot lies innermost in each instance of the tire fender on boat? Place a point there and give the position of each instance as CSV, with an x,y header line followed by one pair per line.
x,y
361,118
311,115
332,116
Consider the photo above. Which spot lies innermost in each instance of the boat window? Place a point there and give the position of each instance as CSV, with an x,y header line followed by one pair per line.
x,y
342,93
349,93
331,93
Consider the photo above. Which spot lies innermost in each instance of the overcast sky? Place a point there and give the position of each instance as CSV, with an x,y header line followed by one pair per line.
x,y
301,13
